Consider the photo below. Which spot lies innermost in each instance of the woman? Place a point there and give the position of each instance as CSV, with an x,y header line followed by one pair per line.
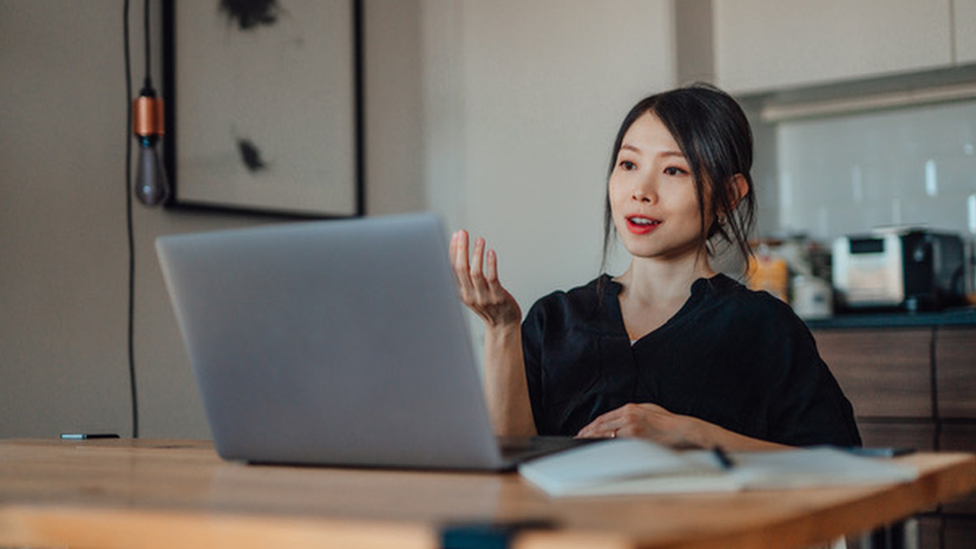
x,y
669,350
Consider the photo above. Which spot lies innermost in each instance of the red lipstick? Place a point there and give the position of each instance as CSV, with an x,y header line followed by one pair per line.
x,y
641,225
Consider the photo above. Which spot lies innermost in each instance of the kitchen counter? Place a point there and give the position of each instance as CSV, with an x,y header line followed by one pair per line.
x,y
958,316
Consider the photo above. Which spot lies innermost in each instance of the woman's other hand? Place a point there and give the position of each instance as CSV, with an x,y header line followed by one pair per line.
x,y
478,285
655,423
645,420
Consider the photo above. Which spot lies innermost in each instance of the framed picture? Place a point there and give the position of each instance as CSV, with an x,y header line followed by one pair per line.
x,y
264,106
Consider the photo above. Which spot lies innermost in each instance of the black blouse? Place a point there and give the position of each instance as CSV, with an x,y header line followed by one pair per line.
x,y
731,356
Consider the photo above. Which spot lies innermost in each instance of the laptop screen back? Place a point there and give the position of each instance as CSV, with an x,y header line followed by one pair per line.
x,y
335,343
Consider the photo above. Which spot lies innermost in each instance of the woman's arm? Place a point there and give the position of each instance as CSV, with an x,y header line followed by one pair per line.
x,y
653,422
506,389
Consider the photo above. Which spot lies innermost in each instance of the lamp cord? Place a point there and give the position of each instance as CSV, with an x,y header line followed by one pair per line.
x,y
128,215
145,26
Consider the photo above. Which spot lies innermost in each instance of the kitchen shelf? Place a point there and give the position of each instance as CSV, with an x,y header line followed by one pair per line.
x,y
961,316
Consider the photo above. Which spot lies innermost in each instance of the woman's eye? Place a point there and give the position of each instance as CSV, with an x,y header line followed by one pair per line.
x,y
674,170
627,165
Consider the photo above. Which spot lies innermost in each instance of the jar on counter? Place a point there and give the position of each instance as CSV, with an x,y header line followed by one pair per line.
x,y
812,297
769,272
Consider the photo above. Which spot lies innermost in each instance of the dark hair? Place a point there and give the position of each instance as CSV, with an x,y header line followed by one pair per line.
x,y
716,139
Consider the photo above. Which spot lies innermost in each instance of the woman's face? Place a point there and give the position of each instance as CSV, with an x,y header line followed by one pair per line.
x,y
652,194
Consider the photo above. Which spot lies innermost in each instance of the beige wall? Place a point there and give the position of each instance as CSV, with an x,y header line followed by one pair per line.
x,y
63,247
498,115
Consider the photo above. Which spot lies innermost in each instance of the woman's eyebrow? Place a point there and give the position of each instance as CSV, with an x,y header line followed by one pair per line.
x,y
664,153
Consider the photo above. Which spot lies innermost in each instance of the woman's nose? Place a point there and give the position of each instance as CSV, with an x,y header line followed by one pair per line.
x,y
644,193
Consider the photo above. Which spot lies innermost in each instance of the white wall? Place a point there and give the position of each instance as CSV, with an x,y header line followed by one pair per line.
x,y
523,103
500,115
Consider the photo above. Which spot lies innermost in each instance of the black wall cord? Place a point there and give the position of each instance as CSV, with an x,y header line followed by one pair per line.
x,y
128,214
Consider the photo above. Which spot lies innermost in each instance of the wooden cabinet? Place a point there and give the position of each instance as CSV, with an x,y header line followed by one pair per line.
x,y
959,533
955,374
925,531
762,45
955,363
919,434
885,373
959,436
913,387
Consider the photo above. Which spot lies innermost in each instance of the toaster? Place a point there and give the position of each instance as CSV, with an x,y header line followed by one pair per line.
x,y
910,268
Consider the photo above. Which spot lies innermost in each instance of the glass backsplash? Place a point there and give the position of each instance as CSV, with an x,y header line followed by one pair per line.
x,y
847,175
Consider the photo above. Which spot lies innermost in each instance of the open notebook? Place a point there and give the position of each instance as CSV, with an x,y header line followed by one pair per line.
x,y
633,466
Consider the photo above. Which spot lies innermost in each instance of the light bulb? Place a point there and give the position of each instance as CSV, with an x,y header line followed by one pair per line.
x,y
151,186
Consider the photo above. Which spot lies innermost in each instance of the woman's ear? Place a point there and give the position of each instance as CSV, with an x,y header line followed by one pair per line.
x,y
739,188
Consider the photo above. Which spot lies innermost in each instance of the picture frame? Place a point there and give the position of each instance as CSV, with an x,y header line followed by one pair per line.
x,y
264,107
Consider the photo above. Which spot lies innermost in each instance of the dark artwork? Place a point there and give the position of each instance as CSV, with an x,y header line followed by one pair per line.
x,y
258,137
250,155
250,13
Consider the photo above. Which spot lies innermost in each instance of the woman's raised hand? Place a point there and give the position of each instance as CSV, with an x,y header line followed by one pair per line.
x,y
478,285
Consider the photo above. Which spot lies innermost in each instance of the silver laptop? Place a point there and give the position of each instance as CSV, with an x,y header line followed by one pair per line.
x,y
334,343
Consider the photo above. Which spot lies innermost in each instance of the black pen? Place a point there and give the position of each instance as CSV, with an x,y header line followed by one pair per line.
x,y
86,436
723,458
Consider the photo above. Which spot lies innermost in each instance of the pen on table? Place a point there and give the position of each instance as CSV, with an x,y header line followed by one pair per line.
x,y
85,436
723,458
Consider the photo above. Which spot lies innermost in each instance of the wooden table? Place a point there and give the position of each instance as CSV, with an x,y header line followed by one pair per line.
x,y
173,494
